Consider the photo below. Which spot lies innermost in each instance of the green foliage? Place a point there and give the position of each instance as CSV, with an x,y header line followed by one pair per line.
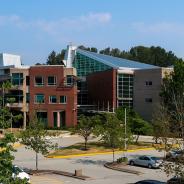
x,y
92,49
112,132
135,124
85,127
122,160
56,58
170,118
172,94
6,159
34,138
6,117
151,55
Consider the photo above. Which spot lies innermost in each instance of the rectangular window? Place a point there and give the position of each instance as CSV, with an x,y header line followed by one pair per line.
x,y
27,97
52,99
69,80
42,117
148,83
17,79
27,81
63,99
51,80
149,100
39,98
39,81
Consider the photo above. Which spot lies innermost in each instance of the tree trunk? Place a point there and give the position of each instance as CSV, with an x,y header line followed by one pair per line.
x,y
113,154
85,144
36,161
137,138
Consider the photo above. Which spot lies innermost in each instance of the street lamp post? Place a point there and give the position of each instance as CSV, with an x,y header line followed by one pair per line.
x,y
125,146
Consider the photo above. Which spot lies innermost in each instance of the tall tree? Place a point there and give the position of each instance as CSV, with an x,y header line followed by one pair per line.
x,y
173,97
173,100
34,137
86,126
112,132
151,55
56,58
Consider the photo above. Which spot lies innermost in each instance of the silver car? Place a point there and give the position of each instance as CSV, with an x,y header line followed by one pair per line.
x,y
147,161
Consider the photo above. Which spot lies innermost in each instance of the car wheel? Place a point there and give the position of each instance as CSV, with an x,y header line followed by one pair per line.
x,y
131,163
149,166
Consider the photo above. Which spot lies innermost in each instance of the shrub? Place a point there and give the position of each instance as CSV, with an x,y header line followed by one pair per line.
x,y
122,159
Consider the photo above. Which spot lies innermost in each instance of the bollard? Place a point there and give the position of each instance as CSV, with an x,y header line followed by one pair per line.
x,y
78,172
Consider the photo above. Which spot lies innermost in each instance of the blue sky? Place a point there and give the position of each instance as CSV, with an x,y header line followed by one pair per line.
x,y
33,28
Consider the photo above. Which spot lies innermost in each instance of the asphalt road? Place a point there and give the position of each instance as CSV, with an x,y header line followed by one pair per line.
x,y
91,165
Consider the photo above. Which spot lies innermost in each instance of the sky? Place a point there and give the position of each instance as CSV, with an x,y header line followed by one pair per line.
x,y
33,28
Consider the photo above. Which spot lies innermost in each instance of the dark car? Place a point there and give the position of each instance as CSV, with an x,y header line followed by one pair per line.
x,y
150,182
173,154
176,180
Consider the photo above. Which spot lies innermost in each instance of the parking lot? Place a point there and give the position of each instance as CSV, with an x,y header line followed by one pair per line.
x,y
92,166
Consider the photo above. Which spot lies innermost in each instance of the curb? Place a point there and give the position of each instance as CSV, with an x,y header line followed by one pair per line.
x,y
62,173
17,145
122,169
99,153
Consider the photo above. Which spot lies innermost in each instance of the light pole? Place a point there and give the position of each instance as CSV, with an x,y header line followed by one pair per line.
x,y
125,146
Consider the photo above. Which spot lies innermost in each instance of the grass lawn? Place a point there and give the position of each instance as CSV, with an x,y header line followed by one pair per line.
x,y
93,147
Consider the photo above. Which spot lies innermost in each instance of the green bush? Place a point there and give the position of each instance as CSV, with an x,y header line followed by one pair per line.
x,y
122,159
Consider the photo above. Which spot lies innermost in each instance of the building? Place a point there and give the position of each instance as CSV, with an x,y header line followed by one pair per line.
x,y
46,91
53,95
147,86
11,69
108,82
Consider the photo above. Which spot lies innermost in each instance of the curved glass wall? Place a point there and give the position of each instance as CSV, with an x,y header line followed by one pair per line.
x,y
85,65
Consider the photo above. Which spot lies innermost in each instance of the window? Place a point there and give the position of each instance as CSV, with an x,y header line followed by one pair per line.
x,y
52,99
51,80
149,100
63,99
39,98
42,117
17,78
148,83
39,81
69,80
27,81
27,97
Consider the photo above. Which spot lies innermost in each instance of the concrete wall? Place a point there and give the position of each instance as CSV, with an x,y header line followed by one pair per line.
x,y
143,91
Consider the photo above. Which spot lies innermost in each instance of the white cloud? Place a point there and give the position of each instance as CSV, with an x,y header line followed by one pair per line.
x,y
55,26
97,17
159,28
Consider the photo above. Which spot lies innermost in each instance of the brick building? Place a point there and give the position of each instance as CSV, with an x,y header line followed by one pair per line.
x,y
53,95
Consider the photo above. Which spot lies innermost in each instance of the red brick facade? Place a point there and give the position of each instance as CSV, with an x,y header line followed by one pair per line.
x,y
102,88
69,109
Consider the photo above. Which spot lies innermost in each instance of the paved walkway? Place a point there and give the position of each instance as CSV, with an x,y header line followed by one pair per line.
x,y
45,179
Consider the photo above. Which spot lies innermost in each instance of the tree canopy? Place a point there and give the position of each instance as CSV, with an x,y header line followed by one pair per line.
x,y
151,55
34,138
56,58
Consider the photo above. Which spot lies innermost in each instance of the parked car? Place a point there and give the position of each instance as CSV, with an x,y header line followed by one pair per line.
x,y
19,173
172,154
147,161
175,180
150,182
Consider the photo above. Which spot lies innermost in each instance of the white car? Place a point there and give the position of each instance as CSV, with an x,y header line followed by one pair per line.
x,y
19,173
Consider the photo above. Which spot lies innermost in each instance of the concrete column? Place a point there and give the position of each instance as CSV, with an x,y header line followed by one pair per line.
x,y
24,124
58,119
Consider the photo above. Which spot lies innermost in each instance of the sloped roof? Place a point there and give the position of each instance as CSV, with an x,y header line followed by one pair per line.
x,y
115,62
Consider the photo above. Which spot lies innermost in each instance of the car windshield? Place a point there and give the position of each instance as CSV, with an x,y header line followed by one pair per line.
x,y
16,170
